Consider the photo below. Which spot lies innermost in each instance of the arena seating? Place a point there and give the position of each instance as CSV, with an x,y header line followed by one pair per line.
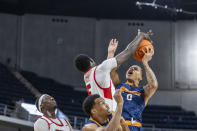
x,y
70,101
12,89
173,117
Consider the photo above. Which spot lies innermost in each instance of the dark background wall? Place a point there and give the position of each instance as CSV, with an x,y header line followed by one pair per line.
x,y
8,38
49,47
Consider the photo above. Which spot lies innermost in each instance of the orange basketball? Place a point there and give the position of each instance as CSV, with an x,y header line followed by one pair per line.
x,y
142,46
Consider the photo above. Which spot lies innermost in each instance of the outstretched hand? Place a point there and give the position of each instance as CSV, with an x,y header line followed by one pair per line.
x,y
148,53
113,44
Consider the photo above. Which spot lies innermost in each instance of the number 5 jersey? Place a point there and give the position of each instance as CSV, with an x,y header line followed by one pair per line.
x,y
98,81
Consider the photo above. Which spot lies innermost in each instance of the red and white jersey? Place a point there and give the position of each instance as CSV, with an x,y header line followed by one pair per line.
x,y
47,124
98,81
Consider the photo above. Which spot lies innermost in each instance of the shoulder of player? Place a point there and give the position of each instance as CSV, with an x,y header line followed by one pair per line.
x,y
40,120
107,62
90,127
40,124
120,85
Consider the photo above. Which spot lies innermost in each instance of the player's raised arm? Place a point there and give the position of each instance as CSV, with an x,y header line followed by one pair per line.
x,y
113,44
131,48
152,85
115,121
111,63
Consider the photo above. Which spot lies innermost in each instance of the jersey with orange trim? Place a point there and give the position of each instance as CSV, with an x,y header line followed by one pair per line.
x,y
98,81
91,120
47,124
133,102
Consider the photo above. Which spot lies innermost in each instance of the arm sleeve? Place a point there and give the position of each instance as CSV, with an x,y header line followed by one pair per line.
x,y
102,72
40,125
108,65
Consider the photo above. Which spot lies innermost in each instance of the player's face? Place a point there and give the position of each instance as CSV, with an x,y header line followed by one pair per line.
x,y
134,73
102,108
49,102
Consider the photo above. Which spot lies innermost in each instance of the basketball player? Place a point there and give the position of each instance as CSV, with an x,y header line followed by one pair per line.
x,y
100,115
46,104
97,78
136,97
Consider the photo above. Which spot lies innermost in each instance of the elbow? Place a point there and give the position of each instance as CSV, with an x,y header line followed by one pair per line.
x,y
155,85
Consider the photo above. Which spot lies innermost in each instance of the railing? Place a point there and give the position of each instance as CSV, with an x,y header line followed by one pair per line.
x,y
16,112
77,122
7,110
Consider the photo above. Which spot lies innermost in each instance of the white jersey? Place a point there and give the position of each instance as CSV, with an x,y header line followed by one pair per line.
x,y
98,81
47,124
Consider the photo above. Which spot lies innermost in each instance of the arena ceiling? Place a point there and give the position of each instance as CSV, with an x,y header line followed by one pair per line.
x,y
111,9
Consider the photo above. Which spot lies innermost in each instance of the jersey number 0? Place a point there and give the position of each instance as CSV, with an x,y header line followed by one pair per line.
x,y
129,97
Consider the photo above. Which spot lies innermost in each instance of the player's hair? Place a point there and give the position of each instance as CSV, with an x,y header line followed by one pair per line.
x,y
89,103
82,62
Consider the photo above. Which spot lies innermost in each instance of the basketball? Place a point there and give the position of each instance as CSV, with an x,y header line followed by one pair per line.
x,y
142,46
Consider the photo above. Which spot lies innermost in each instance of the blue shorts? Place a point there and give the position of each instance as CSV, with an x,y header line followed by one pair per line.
x,y
135,128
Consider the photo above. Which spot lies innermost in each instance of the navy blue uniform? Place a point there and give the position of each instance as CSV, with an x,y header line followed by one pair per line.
x,y
133,105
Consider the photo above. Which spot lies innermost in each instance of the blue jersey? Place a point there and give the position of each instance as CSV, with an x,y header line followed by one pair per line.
x,y
98,124
133,102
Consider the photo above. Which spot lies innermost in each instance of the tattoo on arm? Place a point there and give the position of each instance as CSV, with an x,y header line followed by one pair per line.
x,y
152,83
151,78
